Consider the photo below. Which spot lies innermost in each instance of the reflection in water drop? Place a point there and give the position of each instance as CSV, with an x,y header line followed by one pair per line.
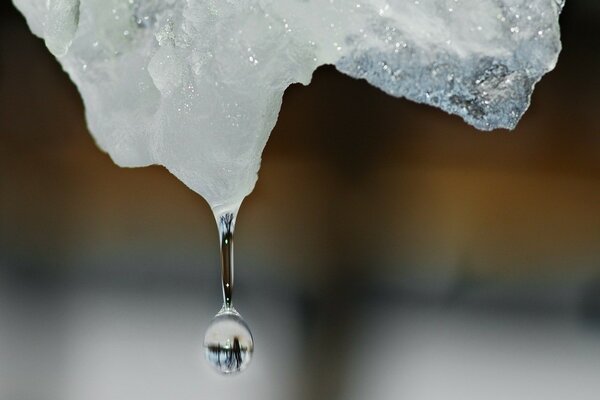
x,y
228,343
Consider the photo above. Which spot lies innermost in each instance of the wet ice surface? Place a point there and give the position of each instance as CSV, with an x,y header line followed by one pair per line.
x,y
196,86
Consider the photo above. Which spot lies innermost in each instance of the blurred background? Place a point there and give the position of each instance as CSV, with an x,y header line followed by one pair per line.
x,y
389,251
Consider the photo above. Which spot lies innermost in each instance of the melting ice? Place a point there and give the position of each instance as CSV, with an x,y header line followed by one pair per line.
x,y
196,85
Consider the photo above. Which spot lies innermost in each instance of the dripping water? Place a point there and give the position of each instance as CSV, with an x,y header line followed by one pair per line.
x,y
228,342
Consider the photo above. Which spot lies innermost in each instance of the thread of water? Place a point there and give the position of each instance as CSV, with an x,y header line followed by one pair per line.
x,y
228,342
226,224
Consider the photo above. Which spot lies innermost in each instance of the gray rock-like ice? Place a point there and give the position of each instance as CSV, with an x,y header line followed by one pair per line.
x,y
196,85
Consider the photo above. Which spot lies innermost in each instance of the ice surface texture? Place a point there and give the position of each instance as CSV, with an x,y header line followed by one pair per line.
x,y
196,85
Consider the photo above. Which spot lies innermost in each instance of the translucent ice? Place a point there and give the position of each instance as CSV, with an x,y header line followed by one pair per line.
x,y
196,85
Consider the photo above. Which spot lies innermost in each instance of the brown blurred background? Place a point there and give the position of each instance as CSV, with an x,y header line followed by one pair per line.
x,y
389,251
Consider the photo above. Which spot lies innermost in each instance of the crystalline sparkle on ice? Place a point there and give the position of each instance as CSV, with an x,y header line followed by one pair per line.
x,y
196,85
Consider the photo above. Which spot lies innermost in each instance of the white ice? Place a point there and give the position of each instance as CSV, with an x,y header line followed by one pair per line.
x,y
196,85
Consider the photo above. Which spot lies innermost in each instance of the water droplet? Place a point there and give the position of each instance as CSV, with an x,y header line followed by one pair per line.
x,y
228,343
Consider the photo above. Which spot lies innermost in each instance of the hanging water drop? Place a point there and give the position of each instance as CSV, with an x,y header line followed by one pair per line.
x,y
228,342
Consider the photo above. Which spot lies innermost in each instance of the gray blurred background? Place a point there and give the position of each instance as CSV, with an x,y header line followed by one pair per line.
x,y
389,250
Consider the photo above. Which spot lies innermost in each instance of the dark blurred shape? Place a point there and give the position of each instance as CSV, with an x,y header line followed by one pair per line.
x,y
590,302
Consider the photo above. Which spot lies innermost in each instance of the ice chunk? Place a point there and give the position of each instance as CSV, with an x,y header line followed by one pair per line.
x,y
196,85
